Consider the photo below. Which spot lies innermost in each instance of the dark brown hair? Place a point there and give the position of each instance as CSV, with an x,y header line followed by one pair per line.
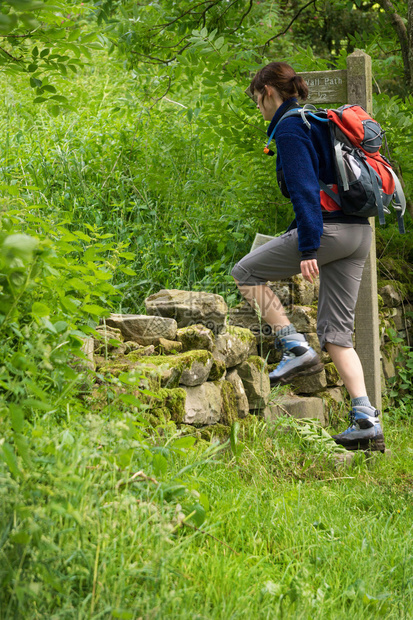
x,y
282,77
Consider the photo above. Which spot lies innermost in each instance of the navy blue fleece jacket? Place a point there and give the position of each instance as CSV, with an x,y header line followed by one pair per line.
x,y
305,155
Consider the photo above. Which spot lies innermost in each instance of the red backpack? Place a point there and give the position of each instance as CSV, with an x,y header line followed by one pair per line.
x,y
366,182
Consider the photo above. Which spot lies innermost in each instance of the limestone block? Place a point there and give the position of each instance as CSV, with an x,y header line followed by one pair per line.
x,y
398,318
256,382
336,394
168,404
334,398
283,291
157,368
390,296
130,346
332,376
189,308
347,458
195,337
143,329
241,396
167,347
123,363
245,316
267,350
234,345
389,362
304,318
385,324
197,369
136,354
261,413
108,340
229,411
299,407
203,404
218,370
309,384
302,291
190,368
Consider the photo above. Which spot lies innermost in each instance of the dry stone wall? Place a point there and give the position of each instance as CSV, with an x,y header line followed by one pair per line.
x,y
207,365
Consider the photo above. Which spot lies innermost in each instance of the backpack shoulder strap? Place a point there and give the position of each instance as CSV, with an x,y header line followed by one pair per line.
x,y
307,110
399,201
330,192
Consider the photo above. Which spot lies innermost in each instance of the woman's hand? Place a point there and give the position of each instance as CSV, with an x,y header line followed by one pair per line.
x,y
309,269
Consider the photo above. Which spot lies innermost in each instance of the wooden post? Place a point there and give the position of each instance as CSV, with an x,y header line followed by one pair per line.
x,y
359,90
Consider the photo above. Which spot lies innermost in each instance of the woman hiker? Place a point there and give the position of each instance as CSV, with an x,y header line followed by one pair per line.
x,y
322,241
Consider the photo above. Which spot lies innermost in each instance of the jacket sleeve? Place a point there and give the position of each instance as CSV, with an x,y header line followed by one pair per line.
x,y
299,162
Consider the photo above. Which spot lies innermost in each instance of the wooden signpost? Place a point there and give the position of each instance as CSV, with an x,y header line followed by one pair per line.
x,y
328,89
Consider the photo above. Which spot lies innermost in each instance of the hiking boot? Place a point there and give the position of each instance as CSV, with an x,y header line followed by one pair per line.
x,y
364,432
298,359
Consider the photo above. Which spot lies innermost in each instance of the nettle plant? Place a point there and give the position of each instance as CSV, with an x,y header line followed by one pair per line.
x,y
401,385
55,285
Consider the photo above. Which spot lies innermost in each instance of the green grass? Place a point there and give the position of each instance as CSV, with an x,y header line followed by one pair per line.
x,y
163,182
286,534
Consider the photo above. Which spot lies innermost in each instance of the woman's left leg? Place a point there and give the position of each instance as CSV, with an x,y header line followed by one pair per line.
x,y
270,307
276,260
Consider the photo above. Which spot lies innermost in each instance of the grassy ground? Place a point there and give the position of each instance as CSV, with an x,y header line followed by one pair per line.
x,y
286,533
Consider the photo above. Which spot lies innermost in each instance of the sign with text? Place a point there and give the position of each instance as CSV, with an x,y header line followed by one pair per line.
x,y
326,86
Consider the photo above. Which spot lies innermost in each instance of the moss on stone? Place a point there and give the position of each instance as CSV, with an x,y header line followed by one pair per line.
x,y
332,374
176,404
187,429
182,360
151,418
168,347
217,371
162,414
403,288
257,361
151,367
242,333
333,410
219,431
140,355
248,427
229,403
196,337
171,399
400,276
115,367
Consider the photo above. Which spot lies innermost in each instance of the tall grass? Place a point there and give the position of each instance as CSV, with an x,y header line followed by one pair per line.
x,y
286,534
190,202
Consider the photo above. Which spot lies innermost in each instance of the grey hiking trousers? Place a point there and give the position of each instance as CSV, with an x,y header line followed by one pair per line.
x,y
341,257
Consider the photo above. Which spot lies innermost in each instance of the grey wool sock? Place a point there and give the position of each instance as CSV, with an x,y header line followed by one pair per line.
x,y
361,401
285,331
